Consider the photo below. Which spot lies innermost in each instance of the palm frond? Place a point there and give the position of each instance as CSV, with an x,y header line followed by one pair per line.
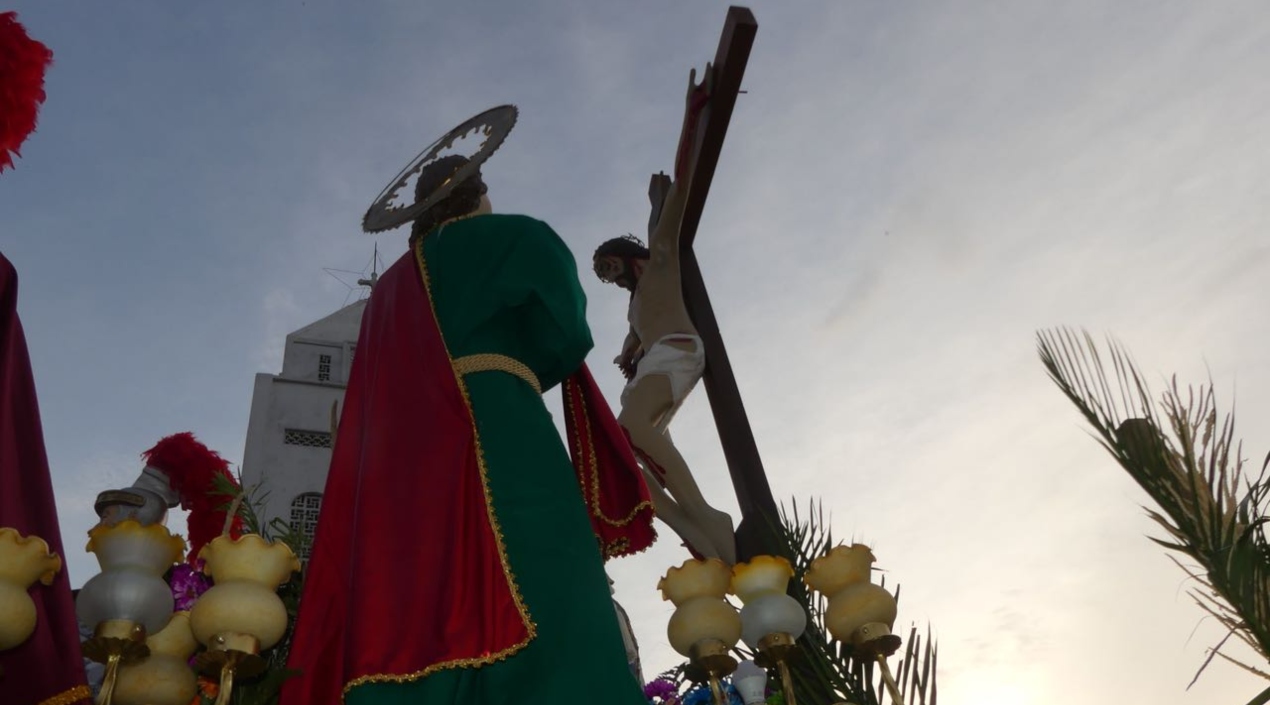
x,y
1185,456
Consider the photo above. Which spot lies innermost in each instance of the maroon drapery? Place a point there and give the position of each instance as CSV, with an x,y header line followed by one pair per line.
x,y
48,667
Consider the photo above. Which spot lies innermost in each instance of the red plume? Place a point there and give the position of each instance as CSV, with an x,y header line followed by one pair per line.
x,y
22,64
192,468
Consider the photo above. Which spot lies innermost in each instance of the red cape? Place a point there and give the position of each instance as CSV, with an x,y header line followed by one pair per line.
x,y
49,664
382,594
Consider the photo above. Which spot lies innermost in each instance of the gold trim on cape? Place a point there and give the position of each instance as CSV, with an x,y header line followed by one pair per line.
x,y
74,695
531,628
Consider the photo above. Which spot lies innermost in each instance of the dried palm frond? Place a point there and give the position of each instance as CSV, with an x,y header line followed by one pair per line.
x,y
1184,454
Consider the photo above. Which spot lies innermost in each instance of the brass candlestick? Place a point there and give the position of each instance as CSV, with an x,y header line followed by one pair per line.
x,y
115,642
711,661
875,640
774,650
165,676
231,654
128,599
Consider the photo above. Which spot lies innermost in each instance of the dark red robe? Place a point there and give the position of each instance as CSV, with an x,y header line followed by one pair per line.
x,y
48,667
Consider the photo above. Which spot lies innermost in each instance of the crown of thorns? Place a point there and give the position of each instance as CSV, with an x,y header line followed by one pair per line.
x,y
614,246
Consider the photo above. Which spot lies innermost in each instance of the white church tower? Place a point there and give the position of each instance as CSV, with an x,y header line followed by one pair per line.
x,y
289,434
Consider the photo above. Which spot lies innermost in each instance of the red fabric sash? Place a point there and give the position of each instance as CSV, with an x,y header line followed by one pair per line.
x,y
405,457
48,664
612,485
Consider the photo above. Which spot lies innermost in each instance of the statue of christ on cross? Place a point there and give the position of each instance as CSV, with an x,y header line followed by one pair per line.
x,y
675,340
663,357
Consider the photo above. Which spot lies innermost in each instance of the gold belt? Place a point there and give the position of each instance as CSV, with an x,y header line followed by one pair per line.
x,y
487,362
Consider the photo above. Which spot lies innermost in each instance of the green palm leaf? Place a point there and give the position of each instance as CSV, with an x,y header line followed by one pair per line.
x,y
1185,456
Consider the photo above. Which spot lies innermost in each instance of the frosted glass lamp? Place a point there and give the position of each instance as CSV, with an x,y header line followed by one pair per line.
x,y
23,560
859,612
772,613
128,599
771,620
241,614
704,627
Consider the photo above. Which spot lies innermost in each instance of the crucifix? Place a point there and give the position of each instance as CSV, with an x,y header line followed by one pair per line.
x,y
755,534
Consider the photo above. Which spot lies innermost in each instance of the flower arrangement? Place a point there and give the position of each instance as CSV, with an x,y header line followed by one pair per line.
x,y
668,690
187,585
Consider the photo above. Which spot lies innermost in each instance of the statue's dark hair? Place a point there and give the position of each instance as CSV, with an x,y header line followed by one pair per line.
x,y
463,199
626,247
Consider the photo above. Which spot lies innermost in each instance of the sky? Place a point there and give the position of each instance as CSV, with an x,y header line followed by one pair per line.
x,y
908,192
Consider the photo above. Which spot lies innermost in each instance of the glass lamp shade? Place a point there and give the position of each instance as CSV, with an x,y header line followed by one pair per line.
x,y
771,613
750,682
249,557
858,605
839,568
762,574
128,544
130,594
694,579
130,587
703,618
17,615
23,560
244,600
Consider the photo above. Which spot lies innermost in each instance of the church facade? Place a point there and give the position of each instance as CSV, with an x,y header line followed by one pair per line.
x,y
293,419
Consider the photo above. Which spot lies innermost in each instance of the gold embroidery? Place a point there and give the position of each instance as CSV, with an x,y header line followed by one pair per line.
x,y
74,695
485,362
531,629
593,466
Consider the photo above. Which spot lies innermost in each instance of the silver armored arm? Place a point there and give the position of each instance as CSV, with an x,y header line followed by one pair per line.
x,y
146,501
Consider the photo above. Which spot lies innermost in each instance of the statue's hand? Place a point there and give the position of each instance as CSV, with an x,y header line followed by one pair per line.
x,y
694,102
627,362
698,93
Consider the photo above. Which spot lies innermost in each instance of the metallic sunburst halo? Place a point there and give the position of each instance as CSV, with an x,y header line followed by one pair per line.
x,y
491,126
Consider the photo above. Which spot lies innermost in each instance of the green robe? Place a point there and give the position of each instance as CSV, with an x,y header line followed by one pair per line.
x,y
509,285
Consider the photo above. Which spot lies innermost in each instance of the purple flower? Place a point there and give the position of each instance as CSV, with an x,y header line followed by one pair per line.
x,y
187,585
660,688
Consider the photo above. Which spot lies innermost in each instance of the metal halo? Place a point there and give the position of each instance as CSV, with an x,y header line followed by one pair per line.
x,y
494,124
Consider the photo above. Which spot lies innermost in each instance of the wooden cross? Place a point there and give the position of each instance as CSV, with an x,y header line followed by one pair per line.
x,y
755,535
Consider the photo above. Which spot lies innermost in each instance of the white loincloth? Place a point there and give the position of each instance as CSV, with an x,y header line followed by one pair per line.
x,y
683,367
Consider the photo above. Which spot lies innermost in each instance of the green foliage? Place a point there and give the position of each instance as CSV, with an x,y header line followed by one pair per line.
x,y
1185,456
